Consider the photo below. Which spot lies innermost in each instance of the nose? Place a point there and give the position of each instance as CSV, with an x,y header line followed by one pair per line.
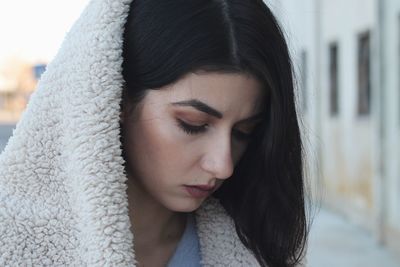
x,y
217,158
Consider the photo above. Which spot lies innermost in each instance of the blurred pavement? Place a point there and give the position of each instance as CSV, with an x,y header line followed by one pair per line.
x,y
335,242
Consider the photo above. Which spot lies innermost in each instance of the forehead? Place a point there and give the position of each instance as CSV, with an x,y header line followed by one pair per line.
x,y
238,94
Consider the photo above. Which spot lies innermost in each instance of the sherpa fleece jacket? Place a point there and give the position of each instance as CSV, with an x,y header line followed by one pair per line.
x,y
63,198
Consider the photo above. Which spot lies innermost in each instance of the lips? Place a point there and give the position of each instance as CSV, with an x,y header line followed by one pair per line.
x,y
199,191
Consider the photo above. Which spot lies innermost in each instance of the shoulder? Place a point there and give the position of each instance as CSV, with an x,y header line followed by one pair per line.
x,y
219,242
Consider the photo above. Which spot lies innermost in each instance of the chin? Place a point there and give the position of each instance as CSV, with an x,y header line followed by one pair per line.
x,y
185,205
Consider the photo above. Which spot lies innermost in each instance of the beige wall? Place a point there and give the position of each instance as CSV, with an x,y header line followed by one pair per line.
x,y
355,159
391,120
18,82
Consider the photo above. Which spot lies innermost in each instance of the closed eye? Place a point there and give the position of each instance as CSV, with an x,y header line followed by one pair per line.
x,y
241,136
197,129
190,128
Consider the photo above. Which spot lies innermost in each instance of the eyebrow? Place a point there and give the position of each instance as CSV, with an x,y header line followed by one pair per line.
x,y
203,107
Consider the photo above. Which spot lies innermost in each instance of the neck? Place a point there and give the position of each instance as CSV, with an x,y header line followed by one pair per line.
x,y
151,223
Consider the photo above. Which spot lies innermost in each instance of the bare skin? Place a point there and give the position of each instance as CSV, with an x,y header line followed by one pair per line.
x,y
155,242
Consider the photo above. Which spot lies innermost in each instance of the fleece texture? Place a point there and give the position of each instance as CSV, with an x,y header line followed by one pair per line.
x,y
63,198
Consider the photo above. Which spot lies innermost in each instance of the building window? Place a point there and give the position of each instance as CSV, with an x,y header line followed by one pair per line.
x,y
364,76
304,82
333,79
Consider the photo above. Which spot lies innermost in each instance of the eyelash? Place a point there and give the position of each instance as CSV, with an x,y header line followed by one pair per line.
x,y
194,129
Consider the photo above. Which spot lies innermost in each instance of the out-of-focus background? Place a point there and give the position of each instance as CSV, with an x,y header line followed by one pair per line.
x,y
30,32
346,55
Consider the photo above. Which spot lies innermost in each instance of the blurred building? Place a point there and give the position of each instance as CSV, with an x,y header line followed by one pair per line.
x,y
18,79
347,60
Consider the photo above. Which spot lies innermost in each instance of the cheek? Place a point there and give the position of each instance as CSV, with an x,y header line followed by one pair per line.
x,y
156,149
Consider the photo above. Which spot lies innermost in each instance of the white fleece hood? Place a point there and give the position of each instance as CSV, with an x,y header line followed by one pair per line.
x,y
63,198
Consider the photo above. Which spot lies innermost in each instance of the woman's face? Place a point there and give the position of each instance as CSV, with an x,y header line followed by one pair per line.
x,y
182,142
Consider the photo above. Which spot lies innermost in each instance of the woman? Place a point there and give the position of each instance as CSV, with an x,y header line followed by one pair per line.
x,y
163,133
